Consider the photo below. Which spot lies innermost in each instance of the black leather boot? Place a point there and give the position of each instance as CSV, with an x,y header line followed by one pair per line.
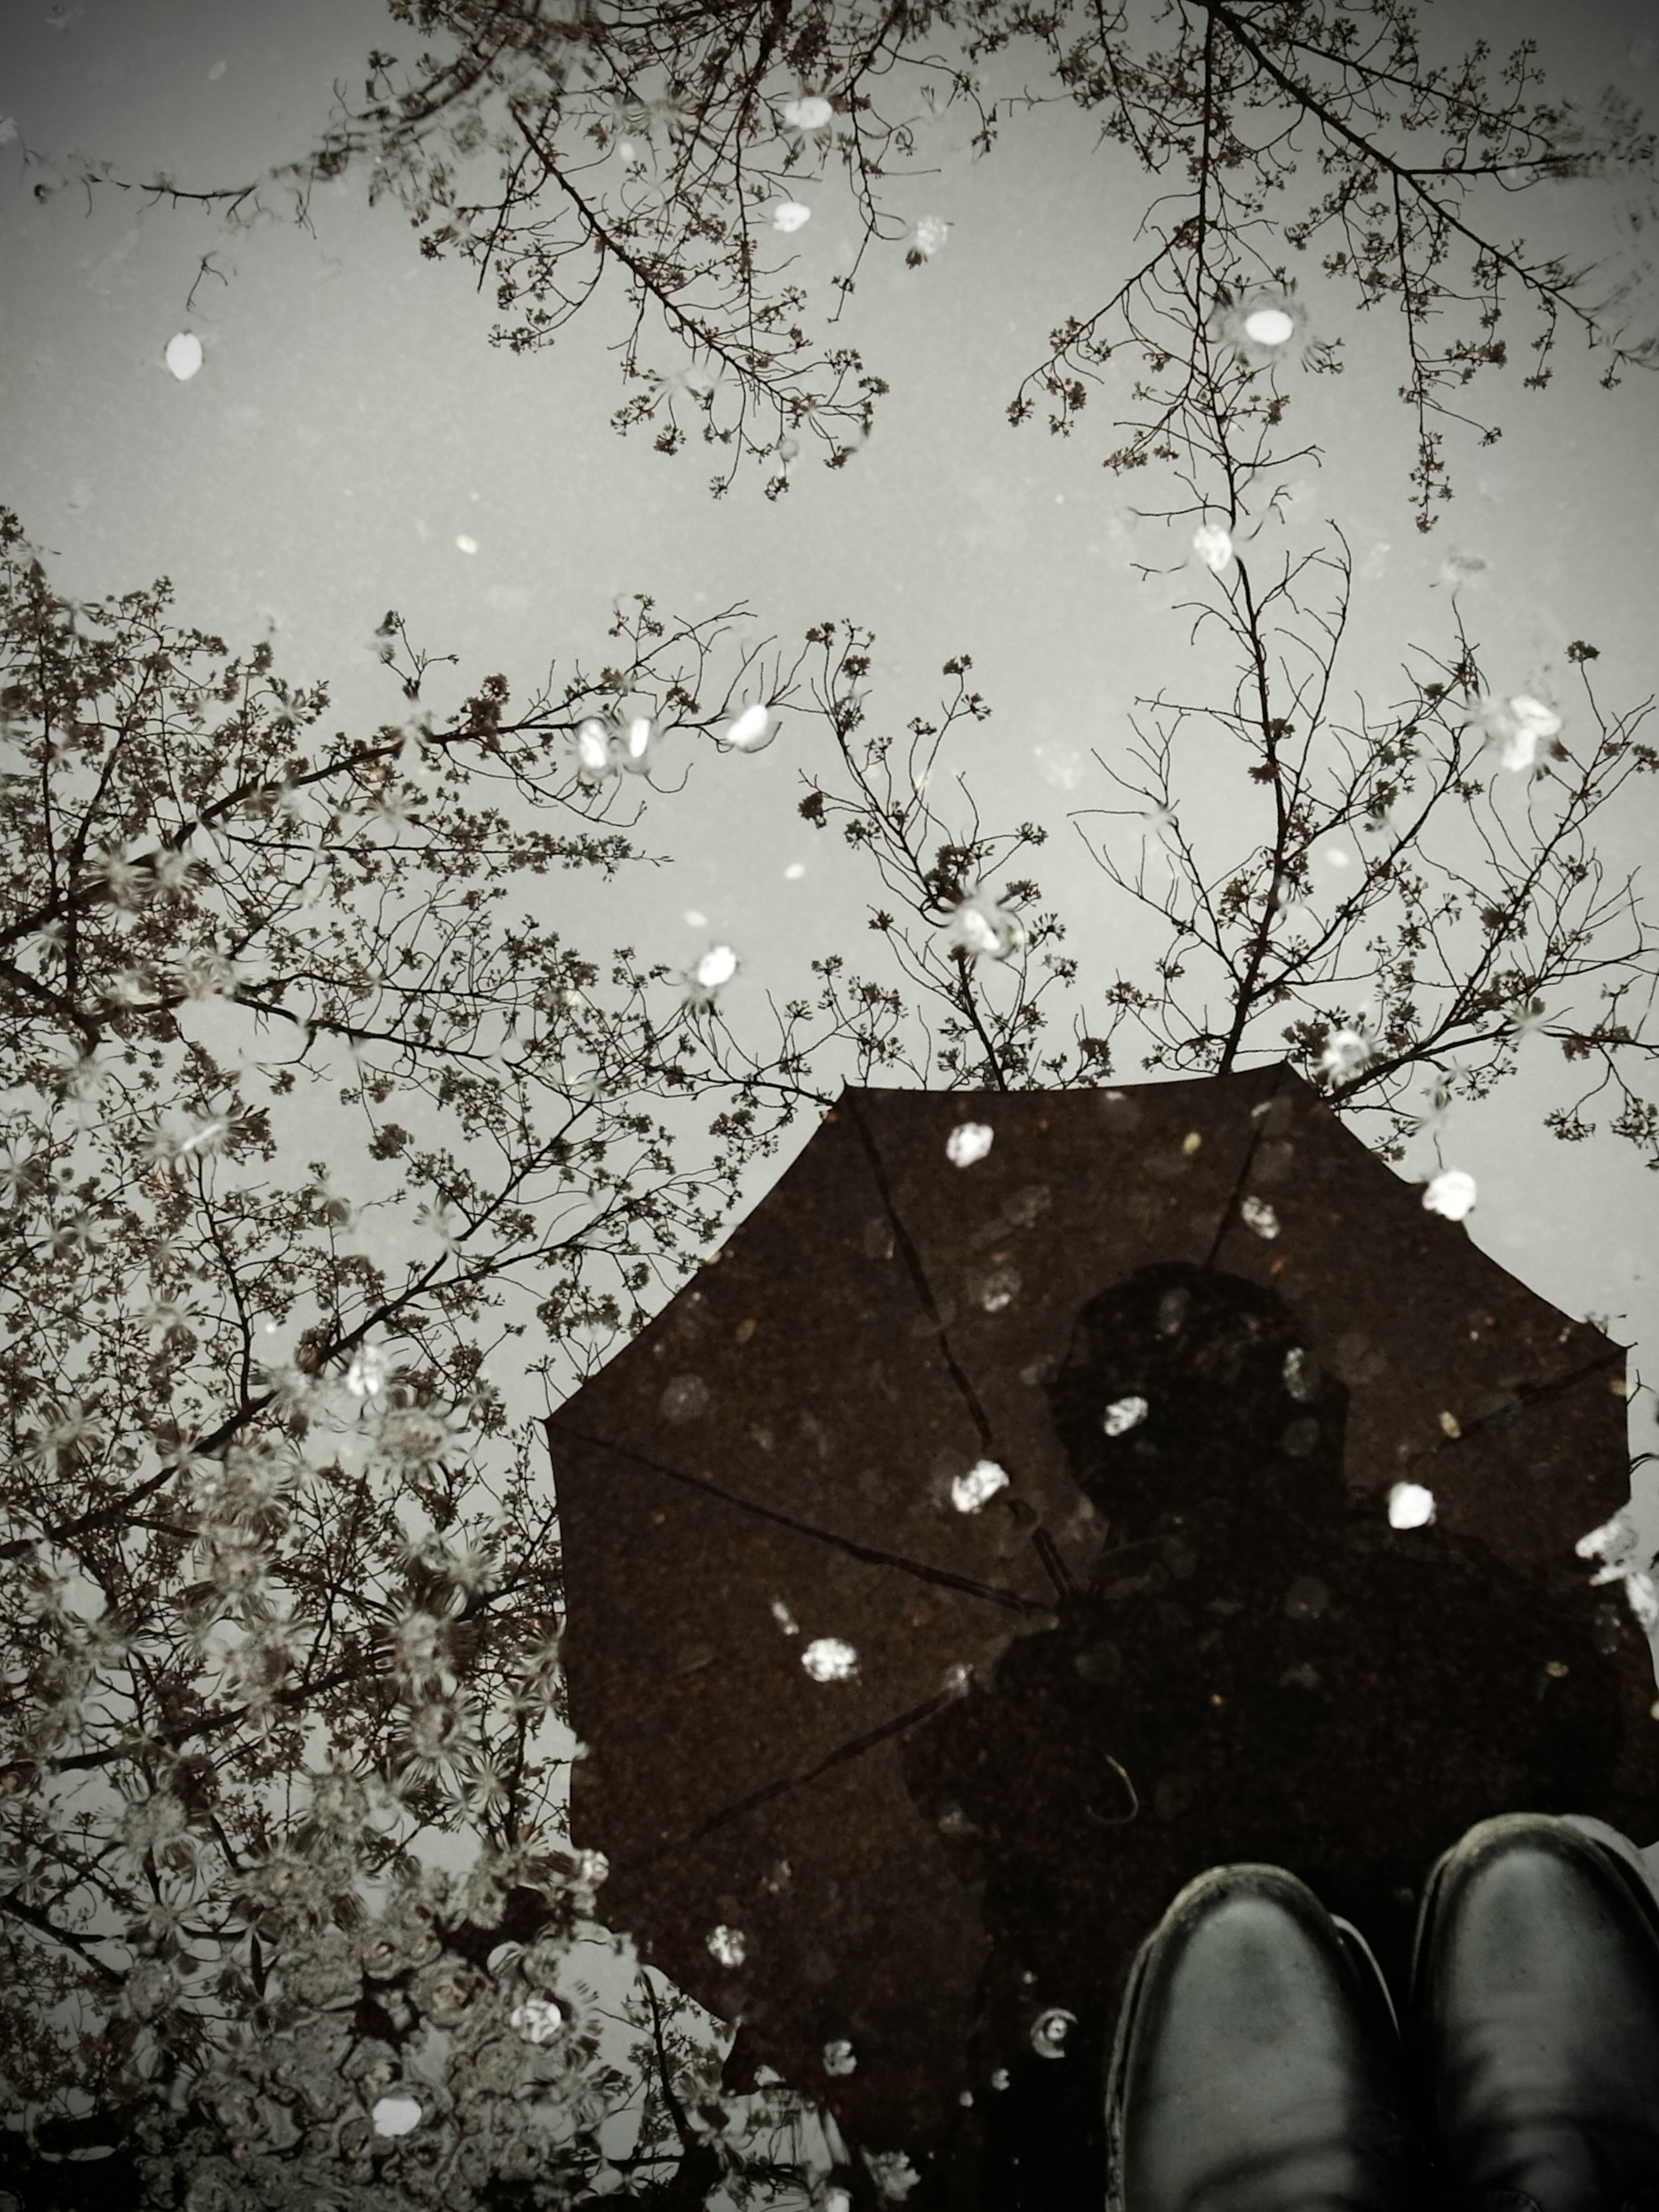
x,y
1534,2018
1257,2066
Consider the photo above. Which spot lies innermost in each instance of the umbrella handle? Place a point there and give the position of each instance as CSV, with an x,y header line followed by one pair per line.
x,y
1118,1819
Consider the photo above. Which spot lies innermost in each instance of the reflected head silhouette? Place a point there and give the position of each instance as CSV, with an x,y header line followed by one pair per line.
x,y
1183,1383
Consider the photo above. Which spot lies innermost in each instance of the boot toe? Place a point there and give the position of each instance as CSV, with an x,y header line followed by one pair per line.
x,y
1536,2008
1256,2068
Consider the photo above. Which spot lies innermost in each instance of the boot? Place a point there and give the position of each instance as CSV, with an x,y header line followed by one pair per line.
x,y
1535,2019
1257,2067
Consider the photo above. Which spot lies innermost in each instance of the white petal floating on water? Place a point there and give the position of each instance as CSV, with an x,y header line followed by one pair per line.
x,y
1159,829
466,544
1262,327
1534,721
827,1659
395,2116
183,354
1410,1506
366,1377
1451,1193
593,749
786,1619
686,1398
1516,726
1268,327
1259,1216
893,2174
1346,1053
639,737
810,113
1051,2030
1123,1414
718,966
1643,1602
1060,765
968,1142
979,926
728,1945
1614,1540
1520,750
1460,569
1526,708
748,731
790,214
537,2020
1213,545
839,2057
970,1492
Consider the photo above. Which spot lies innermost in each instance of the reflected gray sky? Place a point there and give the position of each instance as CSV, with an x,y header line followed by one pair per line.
x,y
350,424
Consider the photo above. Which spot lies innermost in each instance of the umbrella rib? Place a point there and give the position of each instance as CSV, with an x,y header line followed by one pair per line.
x,y
1043,1544
1526,1395
1259,1122
992,1592
919,1281
769,1790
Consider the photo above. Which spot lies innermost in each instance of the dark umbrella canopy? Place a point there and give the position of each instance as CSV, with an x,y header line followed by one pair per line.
x,y
1177,1635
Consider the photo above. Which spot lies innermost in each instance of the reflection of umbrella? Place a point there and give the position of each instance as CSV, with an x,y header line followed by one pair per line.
x,y
1174,1636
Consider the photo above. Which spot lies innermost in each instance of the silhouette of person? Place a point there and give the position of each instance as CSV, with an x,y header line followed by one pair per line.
x,y
1260,1670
